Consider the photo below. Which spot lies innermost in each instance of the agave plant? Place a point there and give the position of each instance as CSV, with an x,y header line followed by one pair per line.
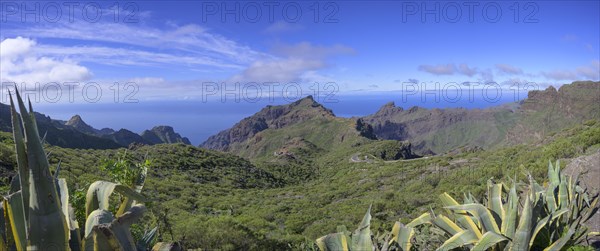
x,y
361,240
546,217
36,215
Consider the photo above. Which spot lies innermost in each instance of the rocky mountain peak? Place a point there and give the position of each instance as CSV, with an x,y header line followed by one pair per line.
x,y
388,109
78,124
164,134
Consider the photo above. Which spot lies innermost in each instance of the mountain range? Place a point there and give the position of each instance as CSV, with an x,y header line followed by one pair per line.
x,y
430,131
75,133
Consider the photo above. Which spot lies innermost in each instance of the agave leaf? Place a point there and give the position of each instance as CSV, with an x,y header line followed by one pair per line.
x,y
402,235
462,238
147,239
553,174
15,185
361,238
464,220
481,213
423,219
105,239
3,246
550,199
509,222
447,225
523,232
74,237
22,164
560,243
108,233
95,218
99,192
495,199
120,226
164,246
16,217
330,242
592,209
46,223
488,240
2,222
542,223
563,197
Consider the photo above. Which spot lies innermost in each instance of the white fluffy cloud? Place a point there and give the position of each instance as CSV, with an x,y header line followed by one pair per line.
x,y
22,64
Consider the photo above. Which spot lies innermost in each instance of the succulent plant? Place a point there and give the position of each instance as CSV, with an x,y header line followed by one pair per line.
x,y
548,217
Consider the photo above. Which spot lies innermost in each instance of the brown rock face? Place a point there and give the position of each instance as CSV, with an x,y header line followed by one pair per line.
x,y
587,168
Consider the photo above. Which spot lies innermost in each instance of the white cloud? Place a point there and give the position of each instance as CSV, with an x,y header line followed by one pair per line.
x,y
137,44
281,27
299,62
21,64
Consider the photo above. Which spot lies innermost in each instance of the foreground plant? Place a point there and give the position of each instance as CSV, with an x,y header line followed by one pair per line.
x,y
36,215
548,217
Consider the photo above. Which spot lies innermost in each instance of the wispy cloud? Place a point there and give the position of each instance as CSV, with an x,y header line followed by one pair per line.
x,y
282,27
588,72
509,69
441,69
449,69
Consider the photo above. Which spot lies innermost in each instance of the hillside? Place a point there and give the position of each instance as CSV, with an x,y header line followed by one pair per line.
x,y
441,130
197,193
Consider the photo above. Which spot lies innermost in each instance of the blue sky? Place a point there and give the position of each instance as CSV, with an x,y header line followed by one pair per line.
x,y
162,53
168,48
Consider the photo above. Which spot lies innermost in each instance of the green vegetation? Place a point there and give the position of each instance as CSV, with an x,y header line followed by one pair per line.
x,y
299,182
195,189
37,214
548,217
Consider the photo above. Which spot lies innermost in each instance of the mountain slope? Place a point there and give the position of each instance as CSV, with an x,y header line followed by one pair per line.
x,y
440,130
270,117
57,134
